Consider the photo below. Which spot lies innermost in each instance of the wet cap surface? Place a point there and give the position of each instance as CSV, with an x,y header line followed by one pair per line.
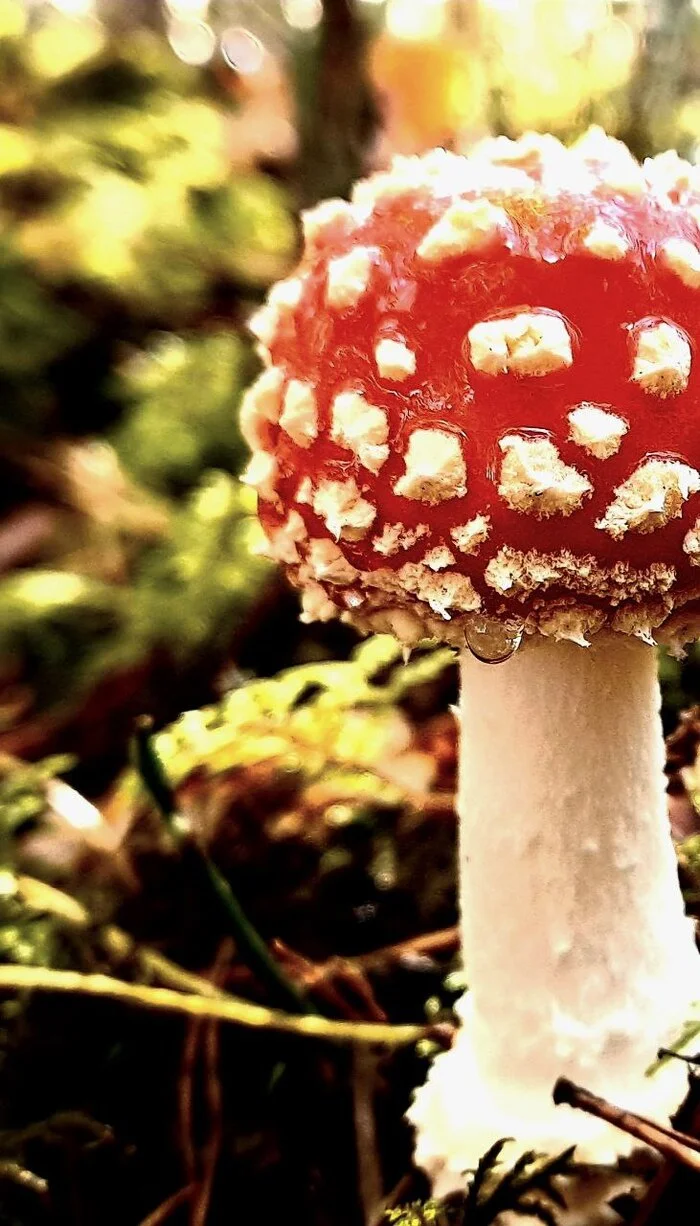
x,y
481,397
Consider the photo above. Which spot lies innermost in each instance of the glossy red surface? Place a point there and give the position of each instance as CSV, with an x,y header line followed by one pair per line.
x,y
432,307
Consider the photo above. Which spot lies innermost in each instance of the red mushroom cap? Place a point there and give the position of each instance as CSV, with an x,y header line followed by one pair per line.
x,y
481,397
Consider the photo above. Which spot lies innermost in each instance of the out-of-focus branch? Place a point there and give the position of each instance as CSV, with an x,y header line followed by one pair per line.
x,y
337,111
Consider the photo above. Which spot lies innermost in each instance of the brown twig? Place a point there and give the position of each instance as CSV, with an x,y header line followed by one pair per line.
x,y
672,1144
675,1186
443,941
214,1098
337,982
342,984
202,1037
310,975
369,1173
163,1212
185,1099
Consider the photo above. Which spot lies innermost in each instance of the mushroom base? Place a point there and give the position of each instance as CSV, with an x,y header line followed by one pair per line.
x,y
579,956
459,1113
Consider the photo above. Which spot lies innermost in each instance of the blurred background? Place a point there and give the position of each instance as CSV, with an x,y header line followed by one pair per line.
x,y
154,159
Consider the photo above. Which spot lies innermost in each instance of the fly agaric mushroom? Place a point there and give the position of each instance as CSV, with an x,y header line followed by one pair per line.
x,y
479,423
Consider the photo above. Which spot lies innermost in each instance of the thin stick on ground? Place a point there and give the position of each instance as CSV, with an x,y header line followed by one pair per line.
x,y
443,941
369,1173
674,1188
222,1007
121,946
338,983
212,1149
168,1207
672,1144
214,1099
185,1097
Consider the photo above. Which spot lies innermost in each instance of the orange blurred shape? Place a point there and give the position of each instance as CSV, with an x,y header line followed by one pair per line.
x,y
428,88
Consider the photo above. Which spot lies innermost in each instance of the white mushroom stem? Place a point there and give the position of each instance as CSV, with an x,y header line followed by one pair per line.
x,y
578,955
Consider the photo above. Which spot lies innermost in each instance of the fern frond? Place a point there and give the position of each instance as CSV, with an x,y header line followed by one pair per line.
x,y
486,1166
526,1188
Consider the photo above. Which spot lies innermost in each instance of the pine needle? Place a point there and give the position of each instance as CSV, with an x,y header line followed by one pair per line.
x,y
225,1008
525,1189
251,946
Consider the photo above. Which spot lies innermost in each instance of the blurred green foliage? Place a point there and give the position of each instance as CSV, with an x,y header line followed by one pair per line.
x,y
129,257
23,795
323,792
335,721
61,631
680,683
180,392
196,585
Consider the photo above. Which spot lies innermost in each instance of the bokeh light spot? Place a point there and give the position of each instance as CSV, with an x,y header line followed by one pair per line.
x,y
75,8
302,14
416,19
242,50
193,42
190,9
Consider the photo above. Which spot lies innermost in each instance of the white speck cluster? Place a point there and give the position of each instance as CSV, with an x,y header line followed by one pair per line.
x,y
397,536
348,277
468,537
283,541
392,461
316,222
662,359
261,403
691,543
683,258
261,475
605,241
343,510
524,344
650,498
535,479
435,468
327,562
439,558
299,416
361,428
465,226
394,360
597,430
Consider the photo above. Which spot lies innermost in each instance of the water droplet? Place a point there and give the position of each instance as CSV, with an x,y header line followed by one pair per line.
x,y
490,642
